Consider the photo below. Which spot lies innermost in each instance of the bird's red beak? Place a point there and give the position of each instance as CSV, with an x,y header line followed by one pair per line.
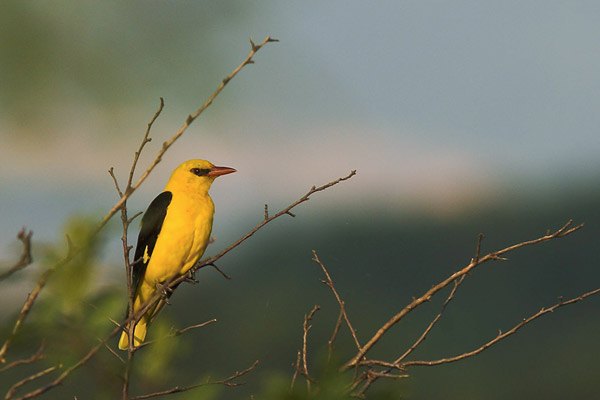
x,y
218,171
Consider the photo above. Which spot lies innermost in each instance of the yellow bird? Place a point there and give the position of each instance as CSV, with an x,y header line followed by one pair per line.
x,y
175,231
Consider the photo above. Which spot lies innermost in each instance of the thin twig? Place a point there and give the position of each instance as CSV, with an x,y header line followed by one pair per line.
x,y
525,321
92,352
305,328
31,378
296,369
457,283
145,140
37,356
562,232
31,300
336,329
25,260
177,389
114,353
189,328
329,284
301,366
166,145
176,332
306,197
372,376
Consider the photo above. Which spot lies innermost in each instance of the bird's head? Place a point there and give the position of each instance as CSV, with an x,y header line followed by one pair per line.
x,y
196,176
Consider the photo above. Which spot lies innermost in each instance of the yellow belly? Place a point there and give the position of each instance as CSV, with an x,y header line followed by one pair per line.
x,y
183,238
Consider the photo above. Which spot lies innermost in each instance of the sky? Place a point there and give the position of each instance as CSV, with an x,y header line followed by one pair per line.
x,y
439,106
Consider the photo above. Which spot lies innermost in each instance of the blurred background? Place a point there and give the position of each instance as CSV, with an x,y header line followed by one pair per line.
x,y
460,118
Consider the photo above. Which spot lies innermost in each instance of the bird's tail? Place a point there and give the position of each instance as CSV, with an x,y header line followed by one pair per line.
x,y
138,336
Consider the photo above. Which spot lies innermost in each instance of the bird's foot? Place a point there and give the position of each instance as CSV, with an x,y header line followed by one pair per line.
x,y
190,277
165,291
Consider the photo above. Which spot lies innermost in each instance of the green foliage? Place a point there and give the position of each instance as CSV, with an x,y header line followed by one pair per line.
x,y
74,309
152,363
71,285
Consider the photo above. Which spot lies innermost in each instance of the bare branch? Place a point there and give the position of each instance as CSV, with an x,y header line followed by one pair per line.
x,y
372,376
457,283
301,366
31,378
336,329
296,369
68,371
189,328
114,352
25,260
329,283
305,328
285,211
501,335
37,356
31,299
176,332
111,172
145,140
166,145
562,232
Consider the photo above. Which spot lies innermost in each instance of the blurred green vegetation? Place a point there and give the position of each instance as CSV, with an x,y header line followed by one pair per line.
x,y
98,60
378,263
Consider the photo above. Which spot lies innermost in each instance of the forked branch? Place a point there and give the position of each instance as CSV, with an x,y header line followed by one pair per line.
x,y
497,255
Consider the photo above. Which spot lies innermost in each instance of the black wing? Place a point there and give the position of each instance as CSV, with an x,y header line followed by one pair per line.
x,y
152,222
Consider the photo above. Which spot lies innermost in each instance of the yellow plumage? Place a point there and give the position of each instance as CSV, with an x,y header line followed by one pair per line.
x,y
180,237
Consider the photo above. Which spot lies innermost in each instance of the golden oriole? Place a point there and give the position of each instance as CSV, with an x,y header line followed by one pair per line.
x,y
175,231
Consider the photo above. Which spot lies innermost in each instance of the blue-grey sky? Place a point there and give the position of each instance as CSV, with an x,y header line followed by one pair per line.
x,y
438,105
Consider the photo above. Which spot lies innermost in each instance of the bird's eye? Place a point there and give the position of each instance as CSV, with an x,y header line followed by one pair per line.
x,y
200,171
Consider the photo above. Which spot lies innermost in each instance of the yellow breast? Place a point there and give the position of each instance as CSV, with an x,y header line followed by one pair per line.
x,y
183,238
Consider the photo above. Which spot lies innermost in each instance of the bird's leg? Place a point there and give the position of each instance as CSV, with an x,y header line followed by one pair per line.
x,y
165,291
190,277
